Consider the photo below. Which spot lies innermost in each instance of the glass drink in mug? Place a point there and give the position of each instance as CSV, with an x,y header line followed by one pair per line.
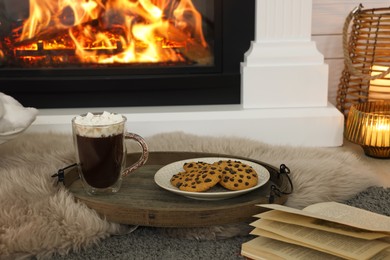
x,y
99,140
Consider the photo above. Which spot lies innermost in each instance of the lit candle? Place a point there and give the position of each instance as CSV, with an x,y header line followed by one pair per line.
x,y
379,89
377,131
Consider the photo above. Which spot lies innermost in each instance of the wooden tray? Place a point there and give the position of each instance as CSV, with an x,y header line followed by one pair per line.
x,y
142,202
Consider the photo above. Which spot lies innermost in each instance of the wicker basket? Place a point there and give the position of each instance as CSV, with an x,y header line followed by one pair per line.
x,y
368,45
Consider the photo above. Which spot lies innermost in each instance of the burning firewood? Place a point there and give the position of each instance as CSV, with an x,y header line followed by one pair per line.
x,y
54,33
137,32
193,47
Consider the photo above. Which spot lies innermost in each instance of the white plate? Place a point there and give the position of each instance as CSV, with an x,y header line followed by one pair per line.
x,y
164,174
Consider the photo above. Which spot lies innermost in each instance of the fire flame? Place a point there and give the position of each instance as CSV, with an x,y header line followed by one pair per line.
x,y
118,31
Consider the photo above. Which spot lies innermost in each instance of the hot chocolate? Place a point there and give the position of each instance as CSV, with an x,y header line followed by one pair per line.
x,y
101,153
101,159
100,148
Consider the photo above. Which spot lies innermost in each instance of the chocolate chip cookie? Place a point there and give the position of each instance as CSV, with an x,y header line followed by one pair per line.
x,y
201,179
237,175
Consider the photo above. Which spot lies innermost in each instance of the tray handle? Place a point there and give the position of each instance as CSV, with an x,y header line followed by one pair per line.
x,y
284,188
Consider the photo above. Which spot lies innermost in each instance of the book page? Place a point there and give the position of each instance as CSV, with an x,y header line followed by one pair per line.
x,y
341,245
340,213
264,233
383,255
265,248
320,224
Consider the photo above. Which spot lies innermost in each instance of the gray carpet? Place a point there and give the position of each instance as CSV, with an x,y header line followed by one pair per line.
x,y
154,243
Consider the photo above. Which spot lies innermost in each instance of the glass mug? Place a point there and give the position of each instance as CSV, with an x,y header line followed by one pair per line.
x,y
99,140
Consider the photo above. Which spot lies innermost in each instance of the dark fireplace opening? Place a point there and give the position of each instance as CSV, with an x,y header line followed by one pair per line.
x,y
102,53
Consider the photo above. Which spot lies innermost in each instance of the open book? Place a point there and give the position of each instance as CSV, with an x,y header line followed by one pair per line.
x,y
327,230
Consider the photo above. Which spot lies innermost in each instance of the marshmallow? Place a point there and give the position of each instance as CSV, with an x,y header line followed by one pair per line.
x,y
99,125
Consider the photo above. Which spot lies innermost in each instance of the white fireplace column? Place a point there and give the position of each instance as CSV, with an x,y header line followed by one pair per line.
x,y
283,67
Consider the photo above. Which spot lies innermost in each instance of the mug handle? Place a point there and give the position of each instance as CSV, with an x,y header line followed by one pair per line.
x,y
144,156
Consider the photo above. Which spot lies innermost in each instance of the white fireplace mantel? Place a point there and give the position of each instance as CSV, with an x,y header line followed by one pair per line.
x,y
284,91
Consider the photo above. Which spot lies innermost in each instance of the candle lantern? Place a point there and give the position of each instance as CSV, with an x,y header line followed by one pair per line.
x,y
368,124
366,46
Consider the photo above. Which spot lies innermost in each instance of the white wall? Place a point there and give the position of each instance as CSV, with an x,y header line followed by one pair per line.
x,y
328,19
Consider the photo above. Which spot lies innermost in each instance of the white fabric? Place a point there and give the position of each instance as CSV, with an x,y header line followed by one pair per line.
x,y
14,117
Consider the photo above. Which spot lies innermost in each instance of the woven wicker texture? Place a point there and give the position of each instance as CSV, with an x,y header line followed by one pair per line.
x,y
368,44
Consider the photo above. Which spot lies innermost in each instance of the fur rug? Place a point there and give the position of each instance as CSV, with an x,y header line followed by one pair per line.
x,y
39,218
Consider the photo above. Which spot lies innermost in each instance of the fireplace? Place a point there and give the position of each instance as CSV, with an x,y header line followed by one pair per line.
x,y
98,54
281,80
